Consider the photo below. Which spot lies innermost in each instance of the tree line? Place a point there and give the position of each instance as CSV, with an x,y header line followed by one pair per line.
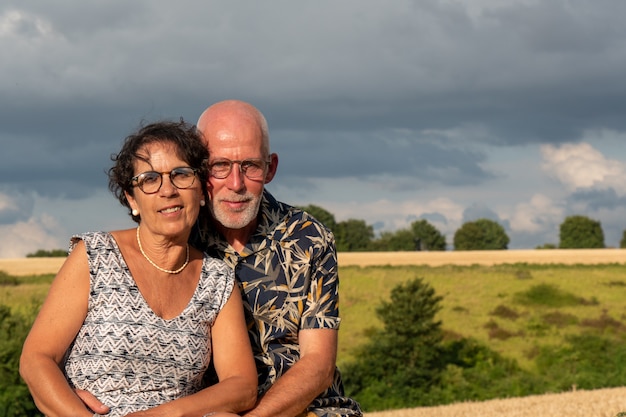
x,y
352,235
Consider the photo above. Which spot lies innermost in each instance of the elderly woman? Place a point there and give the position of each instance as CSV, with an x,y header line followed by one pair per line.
x,y
134,316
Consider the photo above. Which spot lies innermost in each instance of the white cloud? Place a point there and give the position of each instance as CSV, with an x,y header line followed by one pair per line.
x,y
395,215
580,166
15,24
536,216
21,238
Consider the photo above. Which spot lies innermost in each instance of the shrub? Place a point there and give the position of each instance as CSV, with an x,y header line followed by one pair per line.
x,y
6,279
401,360
549,296
558,319
15,399
504,312
587,361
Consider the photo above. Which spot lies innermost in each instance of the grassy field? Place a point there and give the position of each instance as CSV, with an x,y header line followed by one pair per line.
x,y
482,293
486,302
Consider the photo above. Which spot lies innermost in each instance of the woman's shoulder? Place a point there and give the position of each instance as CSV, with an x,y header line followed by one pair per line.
x,y
216,273
212,263
91,239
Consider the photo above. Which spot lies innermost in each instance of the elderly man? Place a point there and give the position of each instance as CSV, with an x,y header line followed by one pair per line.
x,y
285,262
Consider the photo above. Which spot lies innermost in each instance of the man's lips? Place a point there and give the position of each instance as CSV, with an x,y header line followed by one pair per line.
x,y
235,204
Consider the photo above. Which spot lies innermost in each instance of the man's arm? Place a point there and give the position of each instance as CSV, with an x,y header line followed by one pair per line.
x,y
292,393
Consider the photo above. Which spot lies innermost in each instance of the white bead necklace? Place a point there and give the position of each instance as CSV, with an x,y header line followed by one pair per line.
x,y
169,271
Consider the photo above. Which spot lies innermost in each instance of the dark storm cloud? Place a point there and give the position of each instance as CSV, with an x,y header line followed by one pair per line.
x,y
375,155
82,79
598,199
18,208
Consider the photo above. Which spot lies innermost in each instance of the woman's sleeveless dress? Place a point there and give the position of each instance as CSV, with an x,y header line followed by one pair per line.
x,y
127,356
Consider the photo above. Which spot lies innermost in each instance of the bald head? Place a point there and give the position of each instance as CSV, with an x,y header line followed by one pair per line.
x,y
235,132
217,119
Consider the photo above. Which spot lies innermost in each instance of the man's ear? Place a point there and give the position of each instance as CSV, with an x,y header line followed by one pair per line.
x,y
271,169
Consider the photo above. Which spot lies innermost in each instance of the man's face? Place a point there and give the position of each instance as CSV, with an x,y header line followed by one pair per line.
x,y
235,200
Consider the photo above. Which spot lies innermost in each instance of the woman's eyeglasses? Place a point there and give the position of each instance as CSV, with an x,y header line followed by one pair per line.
x,y
150,181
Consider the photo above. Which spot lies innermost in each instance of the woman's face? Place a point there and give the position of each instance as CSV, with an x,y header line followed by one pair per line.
x,y
170,211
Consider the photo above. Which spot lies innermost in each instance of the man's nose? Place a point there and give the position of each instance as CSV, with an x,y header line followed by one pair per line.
x,y
235,179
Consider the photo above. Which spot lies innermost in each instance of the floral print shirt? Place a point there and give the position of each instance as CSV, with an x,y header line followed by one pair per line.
x,y
289,280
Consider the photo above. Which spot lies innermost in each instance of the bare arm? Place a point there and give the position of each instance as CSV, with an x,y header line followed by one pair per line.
x,y
305,380
58,322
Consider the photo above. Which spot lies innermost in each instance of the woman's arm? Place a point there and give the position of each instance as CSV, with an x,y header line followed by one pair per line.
x,y
55,327
232,357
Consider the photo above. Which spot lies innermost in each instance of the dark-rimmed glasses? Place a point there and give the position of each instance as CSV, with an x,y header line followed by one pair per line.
x,y
254,169
150,181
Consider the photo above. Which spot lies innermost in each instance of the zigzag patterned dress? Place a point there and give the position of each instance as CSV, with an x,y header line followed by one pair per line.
x,y
125,354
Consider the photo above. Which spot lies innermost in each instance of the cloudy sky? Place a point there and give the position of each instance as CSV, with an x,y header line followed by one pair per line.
x,y
513,110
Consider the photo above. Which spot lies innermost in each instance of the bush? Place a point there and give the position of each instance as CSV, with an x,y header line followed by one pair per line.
x,y
476,373
408,363
402,360
8,280
587,361
15,399
550,296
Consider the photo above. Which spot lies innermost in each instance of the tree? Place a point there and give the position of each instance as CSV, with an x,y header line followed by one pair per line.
x,y
581,232
622,243
321,214
482,234
546,246
403,356
42,253
400,240
353,235
429,237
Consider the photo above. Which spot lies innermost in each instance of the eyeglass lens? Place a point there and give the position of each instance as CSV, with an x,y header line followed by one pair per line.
x,y
150,182
251,168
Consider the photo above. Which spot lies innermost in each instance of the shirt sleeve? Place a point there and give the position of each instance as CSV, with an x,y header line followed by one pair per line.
x,y
322,304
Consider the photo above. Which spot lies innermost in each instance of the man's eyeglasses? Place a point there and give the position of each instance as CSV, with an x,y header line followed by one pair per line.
x,y
254,169
150,181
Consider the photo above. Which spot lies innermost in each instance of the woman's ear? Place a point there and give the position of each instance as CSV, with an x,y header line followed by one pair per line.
x,y
132,203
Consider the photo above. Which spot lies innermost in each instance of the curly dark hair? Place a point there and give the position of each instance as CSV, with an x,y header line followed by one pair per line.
x,y
185,138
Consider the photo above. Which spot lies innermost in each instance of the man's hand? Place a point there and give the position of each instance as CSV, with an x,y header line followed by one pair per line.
x,y
92,402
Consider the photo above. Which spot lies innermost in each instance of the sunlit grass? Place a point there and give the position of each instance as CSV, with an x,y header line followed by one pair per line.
x,y
28,294
471,294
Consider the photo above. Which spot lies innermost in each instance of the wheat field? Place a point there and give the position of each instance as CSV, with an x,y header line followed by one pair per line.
x,y
29,266
597,403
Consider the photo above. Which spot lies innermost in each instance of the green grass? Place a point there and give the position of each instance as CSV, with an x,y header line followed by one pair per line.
x,y
514,309
25,293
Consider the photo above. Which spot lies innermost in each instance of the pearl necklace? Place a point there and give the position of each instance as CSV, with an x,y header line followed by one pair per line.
x,y
169,271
